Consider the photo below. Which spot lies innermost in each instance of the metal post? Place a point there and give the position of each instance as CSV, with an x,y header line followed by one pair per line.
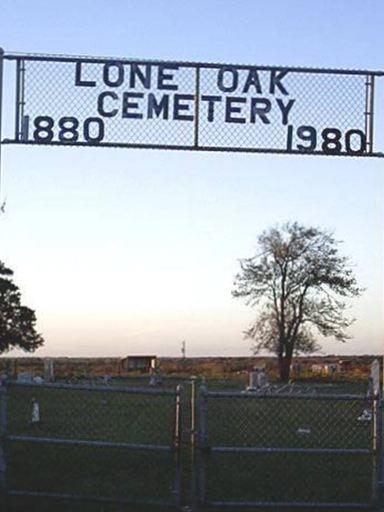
x,y
379,445
376,447
177,446
193,414
1,105
369,109
192,434
23,134
3,439
197,107
17,109
202,443
372,110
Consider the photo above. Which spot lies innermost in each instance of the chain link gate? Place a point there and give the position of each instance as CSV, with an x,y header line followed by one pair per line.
x,y
108,445
280,451
101,444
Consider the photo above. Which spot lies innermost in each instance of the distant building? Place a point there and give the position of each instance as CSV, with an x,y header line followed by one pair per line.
x,y
142,364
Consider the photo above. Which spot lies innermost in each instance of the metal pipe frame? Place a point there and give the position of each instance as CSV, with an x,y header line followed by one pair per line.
x,y
291,505
223,149
369,111
94,444
17,103
188,64
197,66
91,498
309,451
177,438
197,107
276,396
103,389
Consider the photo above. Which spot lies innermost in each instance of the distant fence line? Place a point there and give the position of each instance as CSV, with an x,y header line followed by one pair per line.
x,y
234,368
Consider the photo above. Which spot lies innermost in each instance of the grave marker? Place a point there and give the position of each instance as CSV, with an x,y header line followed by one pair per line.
x,y
49,372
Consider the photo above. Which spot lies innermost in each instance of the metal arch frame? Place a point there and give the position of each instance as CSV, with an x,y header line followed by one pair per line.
x,y
20,59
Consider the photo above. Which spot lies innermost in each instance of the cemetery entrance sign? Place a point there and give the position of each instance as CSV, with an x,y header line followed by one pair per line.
x,y
84,101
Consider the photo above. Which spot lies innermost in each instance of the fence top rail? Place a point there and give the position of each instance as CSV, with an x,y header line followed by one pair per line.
x,y
274,396
188,64
106,389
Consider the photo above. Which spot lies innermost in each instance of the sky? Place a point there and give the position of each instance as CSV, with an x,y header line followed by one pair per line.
x,y
124,251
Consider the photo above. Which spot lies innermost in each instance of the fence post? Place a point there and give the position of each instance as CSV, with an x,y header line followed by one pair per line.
x,y
377,494
3,440
378,428
201,442
192,442
177,446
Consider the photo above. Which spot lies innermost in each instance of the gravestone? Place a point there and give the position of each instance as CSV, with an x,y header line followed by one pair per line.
x,y
375,377
258,379
49,372
25,377
155,377
35,416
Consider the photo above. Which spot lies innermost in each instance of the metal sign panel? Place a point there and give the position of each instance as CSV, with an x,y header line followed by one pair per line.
x,y
195,106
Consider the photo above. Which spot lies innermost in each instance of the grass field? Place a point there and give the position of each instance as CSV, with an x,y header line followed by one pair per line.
x,y
124,418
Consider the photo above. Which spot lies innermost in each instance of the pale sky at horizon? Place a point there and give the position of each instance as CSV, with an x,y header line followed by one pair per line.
x,y
125,251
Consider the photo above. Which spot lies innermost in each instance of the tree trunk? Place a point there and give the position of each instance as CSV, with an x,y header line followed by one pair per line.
x,y
285,367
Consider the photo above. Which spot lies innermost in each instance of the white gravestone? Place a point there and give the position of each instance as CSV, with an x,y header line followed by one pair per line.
x,y
375,377
35,416
258,379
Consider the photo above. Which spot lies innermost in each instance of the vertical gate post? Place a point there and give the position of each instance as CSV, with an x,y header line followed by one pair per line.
x,y
378,415
192,440
380,455
193,415
177,446
3,440
201,442
377,491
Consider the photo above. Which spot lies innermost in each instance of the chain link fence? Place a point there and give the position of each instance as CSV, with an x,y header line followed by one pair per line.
x,y
299,451
189,447
87,443
201,106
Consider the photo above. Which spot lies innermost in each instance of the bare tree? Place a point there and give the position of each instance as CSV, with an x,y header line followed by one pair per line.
x,y
299,283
